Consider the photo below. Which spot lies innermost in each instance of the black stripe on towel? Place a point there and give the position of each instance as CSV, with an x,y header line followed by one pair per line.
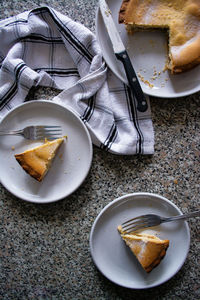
x,y
13,89
89,110
39,38
59,72
110,139
69,36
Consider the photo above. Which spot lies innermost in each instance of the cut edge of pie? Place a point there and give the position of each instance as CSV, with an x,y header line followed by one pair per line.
x,y
148,249
180,18
37,161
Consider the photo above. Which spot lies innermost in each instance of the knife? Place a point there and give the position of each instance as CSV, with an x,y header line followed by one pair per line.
x,y
122,55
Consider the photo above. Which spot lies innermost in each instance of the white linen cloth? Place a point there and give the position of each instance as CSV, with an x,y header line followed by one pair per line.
x,y
43,47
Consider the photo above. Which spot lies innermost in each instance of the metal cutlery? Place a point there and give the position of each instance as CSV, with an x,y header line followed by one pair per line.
x,y
151,220
122,55
37,132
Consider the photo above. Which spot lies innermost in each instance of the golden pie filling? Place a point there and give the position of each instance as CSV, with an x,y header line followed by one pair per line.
x,y
181,18
37,161
148,249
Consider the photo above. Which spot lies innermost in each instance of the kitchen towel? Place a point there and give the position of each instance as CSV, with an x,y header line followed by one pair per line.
x,y
43,47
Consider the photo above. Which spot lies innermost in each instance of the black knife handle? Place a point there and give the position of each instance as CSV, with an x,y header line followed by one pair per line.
x,y
133,81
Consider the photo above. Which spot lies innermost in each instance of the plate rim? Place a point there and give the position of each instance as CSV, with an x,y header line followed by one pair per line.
x,y
90,154
125,197
150,92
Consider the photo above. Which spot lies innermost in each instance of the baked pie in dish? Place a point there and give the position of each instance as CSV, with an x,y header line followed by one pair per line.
x,y
181,19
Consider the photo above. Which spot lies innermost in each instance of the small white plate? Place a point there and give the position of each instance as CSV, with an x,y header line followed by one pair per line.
x,y
115,260
70,166
148,53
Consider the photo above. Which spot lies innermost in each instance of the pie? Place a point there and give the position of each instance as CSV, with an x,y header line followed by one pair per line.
x,y
37,161
148,249
181,18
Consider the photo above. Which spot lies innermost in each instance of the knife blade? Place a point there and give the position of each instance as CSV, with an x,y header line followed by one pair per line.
x,y
122,55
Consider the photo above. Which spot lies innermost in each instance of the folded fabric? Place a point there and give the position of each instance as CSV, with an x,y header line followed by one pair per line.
x,y
43,47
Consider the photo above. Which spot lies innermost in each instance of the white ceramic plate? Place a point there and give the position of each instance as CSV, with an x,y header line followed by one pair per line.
x,y
148,53
70,166
115,260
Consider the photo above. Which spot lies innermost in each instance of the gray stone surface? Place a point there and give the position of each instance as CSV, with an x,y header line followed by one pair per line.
x,y
44,250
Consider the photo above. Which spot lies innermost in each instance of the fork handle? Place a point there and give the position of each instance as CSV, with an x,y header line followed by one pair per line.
x,y
13,132
182,217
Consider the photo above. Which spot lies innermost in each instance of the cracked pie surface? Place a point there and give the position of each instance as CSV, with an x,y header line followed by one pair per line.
x,y
37,161
148,249
181,18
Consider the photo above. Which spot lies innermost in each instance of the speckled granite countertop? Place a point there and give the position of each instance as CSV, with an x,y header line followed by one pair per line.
x,y
44,250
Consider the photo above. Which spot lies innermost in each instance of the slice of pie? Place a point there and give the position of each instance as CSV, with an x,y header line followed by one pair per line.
x,y
148,249
37,161
181,18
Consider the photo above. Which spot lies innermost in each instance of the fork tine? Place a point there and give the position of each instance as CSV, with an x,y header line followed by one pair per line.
x,y
49,136
48,126
53,138
136,218
48,131
135,228
138,223
141,222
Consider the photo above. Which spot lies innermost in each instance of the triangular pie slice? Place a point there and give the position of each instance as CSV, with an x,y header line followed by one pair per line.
x,y
148,249
181,18
37,161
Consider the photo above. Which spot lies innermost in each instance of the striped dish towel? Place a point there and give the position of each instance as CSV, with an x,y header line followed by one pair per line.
x,y
43,47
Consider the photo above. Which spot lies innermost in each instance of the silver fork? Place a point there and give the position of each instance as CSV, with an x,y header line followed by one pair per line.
x,y
151,220
38,132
